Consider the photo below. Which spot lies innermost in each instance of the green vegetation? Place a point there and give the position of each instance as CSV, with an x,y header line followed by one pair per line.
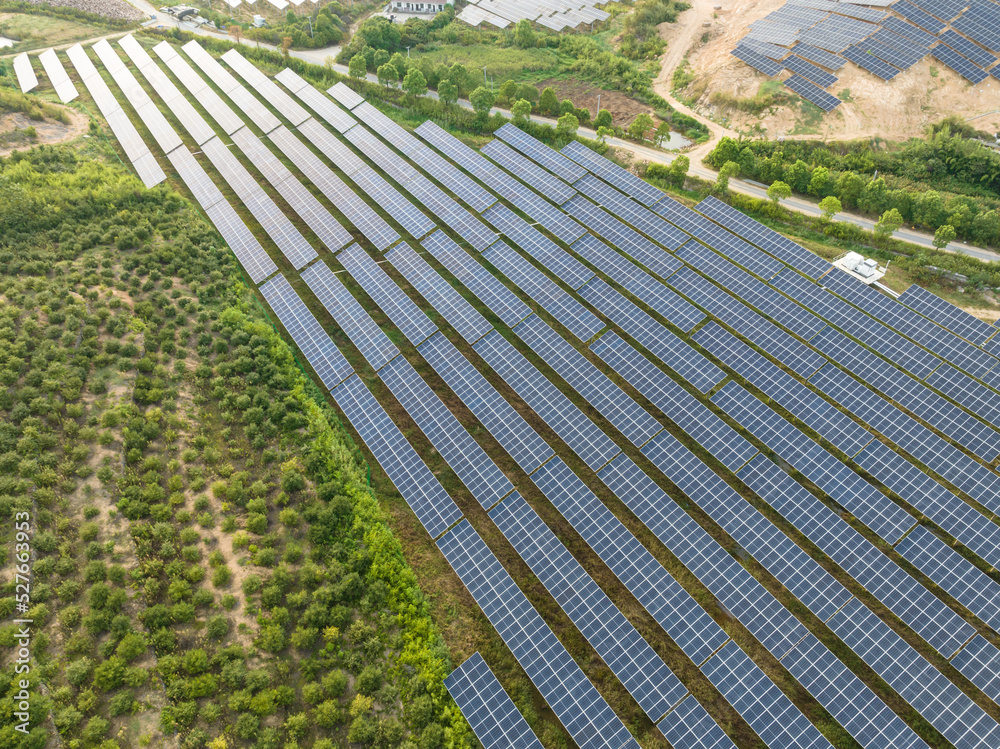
x,y
303,28
40,32
47,11
211,562
770,95
943,179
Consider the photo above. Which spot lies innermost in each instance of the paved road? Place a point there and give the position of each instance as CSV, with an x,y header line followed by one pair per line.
x,y
647,153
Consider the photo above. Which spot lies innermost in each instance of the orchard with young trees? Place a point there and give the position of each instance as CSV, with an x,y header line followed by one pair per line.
x,y
212,568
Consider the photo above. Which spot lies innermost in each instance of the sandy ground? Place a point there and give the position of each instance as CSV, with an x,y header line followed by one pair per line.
x,y
901,108
50,132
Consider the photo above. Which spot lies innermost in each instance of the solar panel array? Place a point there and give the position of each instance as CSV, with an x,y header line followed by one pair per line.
x,y
759,291
557,15
26,77
60,81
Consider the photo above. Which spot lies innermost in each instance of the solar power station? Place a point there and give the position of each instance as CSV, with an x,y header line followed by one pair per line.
x,y
561,334
812,39
555,15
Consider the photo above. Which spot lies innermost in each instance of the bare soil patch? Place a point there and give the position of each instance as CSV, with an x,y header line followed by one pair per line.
x,y
49,132
583,94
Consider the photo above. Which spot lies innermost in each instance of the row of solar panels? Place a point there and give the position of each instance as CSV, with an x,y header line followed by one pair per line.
x,y
795,36
54,69
556,15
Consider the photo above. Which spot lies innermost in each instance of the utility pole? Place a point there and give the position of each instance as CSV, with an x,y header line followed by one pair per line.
x,y
407,53
598,106
311,36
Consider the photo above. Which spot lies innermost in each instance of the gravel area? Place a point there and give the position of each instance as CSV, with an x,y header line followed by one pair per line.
x,y
117,9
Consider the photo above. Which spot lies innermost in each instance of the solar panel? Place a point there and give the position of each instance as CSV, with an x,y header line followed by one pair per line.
x,y
530,173
816,413
443,297
962,45
960,64
407,215
409,474
461,452
757,61
924,20
640,670
689,725
711,432
320,351
198,182
502,301
639,283
664,345
292,244
315,100
809,71
979,29
867,718
768,50
593,446
562,226
811,92
506,425
267,88
468,226
629,241
555,259
405,315
538,152
612,173
386,128
852,10
488,708
870,62
246,102
563,685
911,49
359,213
580,321
350,316
765,707
725,243
221,112
596,388
947,315
943,704
346,96
956,575
26,77
629,210
60,81
460,185
870,506
979,662
251,255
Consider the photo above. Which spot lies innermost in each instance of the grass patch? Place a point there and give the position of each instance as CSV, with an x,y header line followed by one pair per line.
x,y
37,32
502,64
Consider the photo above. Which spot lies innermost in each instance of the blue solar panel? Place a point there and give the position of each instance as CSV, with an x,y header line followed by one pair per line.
x,y
502,421
572,697
979,399
819,56
757,61
593,446
676,403
504,303
632,212
960,64
792,353
690,726
628,240
460,451
613,174
920,18
639,283
529,172
812,93
441,295
947,315
352,318
664,345
537,151
687,623
979,662
816,413
596,388
809,71
640,670
847,488
423,493
870,62
490,711
580,321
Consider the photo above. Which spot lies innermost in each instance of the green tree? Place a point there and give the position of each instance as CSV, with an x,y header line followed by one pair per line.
x,y
521,110
944,235
796,176
603,119
507,93
603,133
356,67
642,124
726,150
447,91
459,75
528,92
778,191
888,224
549,102
849,187
414,83
726,171
524,36
820,181
386,75
678,171
830,206
482,101
381,57
399,63
567,125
